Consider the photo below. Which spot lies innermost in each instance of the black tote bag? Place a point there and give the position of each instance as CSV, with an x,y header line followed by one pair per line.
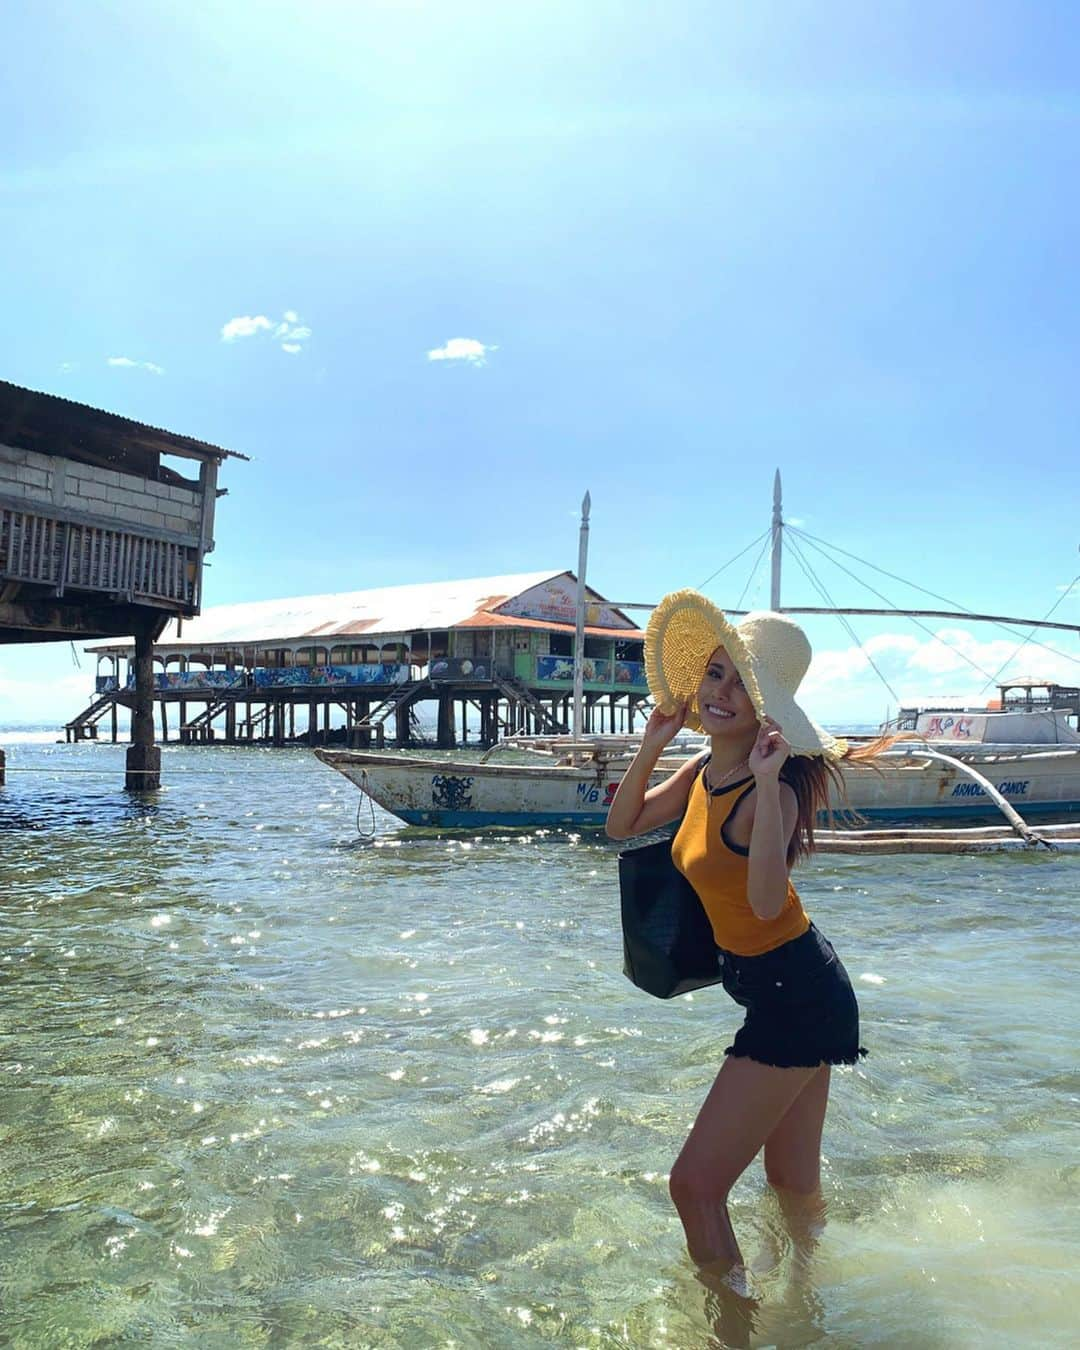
x,y
668,943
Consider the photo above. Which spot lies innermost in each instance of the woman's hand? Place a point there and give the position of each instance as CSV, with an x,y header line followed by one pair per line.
x,y
662,727
770,750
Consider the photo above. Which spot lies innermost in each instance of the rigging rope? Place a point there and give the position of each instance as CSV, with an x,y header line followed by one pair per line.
x,y
736,558
754,570
822,544
821,590
1030,637
813,538
908,615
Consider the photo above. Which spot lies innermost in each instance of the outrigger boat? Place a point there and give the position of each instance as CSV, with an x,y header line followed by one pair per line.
x,y
571,783
958,764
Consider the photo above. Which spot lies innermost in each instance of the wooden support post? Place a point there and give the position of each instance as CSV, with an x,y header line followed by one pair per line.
x,y
313,723
115,722
3,762
363,708
143,756
230,722
401,718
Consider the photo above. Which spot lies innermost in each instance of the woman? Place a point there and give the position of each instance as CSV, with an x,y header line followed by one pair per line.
x,y
747,811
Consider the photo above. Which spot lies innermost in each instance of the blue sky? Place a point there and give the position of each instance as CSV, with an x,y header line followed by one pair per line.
x,y
684,244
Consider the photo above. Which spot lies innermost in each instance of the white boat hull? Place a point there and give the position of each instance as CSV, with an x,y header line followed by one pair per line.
x,y
457,794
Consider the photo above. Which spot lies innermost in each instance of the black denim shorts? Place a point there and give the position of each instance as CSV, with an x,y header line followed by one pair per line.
x,y
801,1010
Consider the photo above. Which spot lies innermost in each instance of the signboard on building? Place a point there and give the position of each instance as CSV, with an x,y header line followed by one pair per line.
x,y
555,601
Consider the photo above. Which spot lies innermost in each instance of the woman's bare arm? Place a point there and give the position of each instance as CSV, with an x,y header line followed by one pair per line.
x,y
637,808
775,812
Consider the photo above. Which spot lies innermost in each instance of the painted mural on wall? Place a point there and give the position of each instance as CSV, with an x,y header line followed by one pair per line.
x,y
264,678
560,670
199,679
460,668
555,601
178,679
291,677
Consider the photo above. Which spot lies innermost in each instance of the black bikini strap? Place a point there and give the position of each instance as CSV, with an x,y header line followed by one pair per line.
x,y
736,848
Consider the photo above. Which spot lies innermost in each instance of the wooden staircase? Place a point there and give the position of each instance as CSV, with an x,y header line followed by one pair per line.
x,y
402,695
200,730
85,726
519,693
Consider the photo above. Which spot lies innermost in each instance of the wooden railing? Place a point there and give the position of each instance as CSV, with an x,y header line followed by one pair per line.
x,y
51,551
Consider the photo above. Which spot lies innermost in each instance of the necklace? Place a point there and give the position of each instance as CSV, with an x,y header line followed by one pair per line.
x,y
714,786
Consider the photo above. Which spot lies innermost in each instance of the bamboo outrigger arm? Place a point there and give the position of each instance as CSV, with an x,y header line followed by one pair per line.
x,y
1015,819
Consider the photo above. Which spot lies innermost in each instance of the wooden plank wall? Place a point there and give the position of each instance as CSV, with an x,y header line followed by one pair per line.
x,y
43,550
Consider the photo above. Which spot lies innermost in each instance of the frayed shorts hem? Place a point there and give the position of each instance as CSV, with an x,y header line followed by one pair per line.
x,y
792,1063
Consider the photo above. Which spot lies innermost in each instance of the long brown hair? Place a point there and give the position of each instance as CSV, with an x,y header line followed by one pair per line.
x,y
810,777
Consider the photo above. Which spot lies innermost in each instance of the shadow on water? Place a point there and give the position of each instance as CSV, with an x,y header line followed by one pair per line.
x,y
67,810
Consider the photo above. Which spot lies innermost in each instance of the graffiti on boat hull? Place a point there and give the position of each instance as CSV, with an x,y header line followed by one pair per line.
x,y
451,793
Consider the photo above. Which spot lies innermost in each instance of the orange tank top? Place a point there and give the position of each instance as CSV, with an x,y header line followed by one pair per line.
x,y
718,869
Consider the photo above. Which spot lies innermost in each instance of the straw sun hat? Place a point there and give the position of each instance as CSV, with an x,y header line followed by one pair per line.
x,y
770,652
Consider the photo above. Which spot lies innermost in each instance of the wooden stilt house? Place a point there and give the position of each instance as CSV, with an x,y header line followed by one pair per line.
x,y
445,662
104,524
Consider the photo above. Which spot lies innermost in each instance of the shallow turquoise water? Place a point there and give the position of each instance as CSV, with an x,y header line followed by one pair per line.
x,y
261,1084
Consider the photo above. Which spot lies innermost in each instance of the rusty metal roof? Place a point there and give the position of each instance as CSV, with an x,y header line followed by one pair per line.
x,y
386,612
52,425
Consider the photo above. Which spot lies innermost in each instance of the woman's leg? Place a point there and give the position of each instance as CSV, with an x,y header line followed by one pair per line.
x,y
745,1105
793,1164
793,1148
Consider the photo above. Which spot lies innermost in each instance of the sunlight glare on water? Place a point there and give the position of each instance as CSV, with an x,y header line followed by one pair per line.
x,y
266,1085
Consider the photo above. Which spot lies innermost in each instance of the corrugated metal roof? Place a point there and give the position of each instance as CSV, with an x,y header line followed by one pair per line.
x,y
389,610
29,410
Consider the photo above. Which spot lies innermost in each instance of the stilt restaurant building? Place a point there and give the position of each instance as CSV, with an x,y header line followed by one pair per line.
x,y
490,656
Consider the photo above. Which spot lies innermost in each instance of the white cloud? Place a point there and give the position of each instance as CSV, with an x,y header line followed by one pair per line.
x,y
66,367
128,364
841,687
462,349
287,331
246,325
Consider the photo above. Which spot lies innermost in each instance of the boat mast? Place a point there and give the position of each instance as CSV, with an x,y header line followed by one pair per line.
x,y
777,544
579,636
